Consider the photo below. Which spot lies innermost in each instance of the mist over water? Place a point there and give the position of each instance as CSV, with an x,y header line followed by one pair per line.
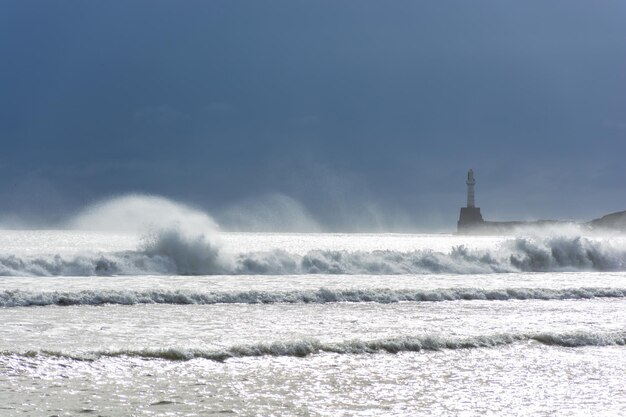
x,y
142,213
269,213
177,239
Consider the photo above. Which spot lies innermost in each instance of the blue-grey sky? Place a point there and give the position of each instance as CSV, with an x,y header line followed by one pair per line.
x,y
359,114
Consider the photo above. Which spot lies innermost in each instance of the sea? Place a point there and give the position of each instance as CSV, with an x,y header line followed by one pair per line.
x,y
178,321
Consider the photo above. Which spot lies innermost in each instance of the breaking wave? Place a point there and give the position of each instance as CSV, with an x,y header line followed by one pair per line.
x,y
306,347
172,251
18,298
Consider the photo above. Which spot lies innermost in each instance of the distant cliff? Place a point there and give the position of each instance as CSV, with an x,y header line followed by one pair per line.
x,y
611,222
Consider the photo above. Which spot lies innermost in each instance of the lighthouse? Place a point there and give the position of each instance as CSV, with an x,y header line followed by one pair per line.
x,y
470,188
470,217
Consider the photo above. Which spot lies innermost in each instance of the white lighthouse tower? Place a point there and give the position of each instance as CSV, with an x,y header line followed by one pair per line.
x,y
470,188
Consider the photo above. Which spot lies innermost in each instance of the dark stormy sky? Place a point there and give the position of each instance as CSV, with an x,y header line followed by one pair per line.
x,y
341,115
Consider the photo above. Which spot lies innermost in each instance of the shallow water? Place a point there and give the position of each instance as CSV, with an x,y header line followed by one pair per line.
x,y
521,342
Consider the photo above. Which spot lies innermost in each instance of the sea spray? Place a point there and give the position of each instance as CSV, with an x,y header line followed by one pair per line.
x,y
180,240
175,238
141,213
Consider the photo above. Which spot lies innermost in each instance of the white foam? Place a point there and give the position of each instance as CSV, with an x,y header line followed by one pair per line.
x,y
306,347
18,298
175,251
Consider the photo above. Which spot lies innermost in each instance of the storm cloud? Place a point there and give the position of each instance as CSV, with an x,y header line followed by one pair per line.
x,y
365,115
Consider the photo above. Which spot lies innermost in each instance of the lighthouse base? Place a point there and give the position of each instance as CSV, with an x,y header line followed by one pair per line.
x,y
469,220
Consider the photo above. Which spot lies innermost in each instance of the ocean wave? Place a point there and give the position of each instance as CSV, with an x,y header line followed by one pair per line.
x,y
20,298
306,347
173,252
